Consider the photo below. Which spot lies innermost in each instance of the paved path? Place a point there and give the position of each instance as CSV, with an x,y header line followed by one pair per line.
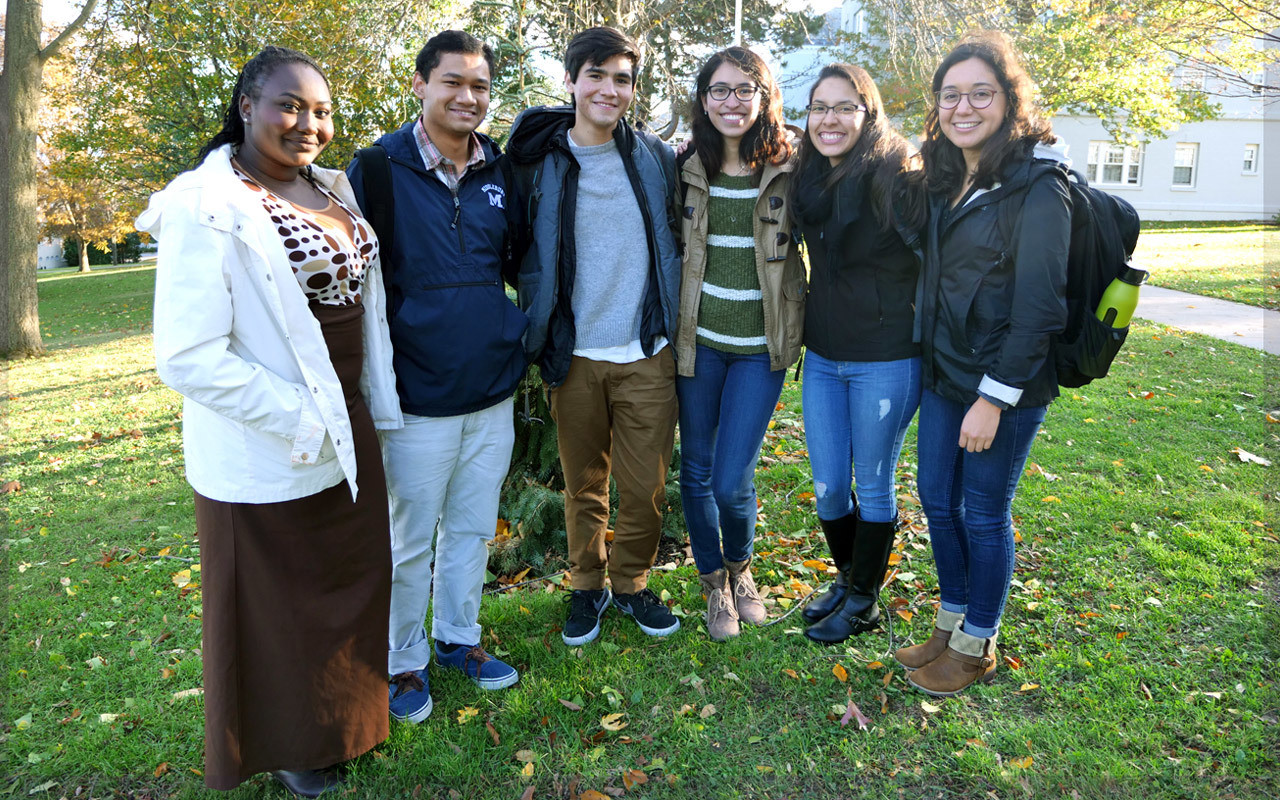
x,y
1232,322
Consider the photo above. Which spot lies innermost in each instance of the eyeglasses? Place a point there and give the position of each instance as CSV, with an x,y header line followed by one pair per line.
x,y
843,110
744,93
978,98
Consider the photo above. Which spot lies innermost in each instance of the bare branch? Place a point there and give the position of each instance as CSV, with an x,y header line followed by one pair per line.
x,y
51,49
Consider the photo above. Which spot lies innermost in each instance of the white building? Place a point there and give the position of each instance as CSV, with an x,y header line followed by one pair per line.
x,y
1213,170
49,256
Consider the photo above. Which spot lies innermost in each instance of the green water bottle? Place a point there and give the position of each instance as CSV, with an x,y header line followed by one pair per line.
x,y
1121,298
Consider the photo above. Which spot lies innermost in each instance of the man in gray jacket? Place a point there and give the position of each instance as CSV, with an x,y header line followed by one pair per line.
x,y
600,283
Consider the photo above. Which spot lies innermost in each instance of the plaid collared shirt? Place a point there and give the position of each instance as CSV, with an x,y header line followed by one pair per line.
x,y
445,169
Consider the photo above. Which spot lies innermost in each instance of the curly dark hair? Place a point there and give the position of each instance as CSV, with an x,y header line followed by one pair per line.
x,y
1023,127
880,150
249,82
765,142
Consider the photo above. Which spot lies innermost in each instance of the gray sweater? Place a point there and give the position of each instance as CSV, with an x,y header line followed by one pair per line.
x,y
612,251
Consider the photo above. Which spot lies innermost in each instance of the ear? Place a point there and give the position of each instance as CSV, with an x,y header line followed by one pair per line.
x,y
419,86
246,105
568,83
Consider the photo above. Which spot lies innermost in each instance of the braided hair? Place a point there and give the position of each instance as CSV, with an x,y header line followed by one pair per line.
x,y
249,82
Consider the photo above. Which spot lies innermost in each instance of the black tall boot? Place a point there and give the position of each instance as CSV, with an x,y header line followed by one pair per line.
x,y
860,611
840,534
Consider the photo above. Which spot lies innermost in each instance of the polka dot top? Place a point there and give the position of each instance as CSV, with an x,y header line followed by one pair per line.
x,y
328,248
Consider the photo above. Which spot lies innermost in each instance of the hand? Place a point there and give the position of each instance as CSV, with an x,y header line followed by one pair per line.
x,y
978,429
685,145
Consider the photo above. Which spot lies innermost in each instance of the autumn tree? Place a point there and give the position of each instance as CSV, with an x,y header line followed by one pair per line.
x,y
20,88
1113,59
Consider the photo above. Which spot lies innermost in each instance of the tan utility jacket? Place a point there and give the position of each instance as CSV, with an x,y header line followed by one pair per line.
x,y
778,264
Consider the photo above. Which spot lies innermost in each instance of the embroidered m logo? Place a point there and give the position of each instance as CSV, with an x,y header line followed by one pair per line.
x,y
497,195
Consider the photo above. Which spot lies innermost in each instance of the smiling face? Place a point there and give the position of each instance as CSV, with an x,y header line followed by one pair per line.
x,y
291,121
601,95
732,117
969,128
455,95
834,134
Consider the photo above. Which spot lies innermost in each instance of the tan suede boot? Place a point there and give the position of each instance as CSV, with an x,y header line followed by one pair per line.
x,y
722,617
967,659
917,655
746,599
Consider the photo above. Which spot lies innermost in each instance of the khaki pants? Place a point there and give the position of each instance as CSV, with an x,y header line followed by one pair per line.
x,y
619,418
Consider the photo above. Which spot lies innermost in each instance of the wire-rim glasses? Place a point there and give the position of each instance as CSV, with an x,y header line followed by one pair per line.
x,y
978,98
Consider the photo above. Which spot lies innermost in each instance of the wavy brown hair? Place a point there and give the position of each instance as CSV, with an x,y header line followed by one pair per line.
x,y
880,151
765,142
1022,129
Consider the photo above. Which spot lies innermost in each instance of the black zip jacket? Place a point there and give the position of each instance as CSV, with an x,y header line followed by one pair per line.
x,y
862,279
991,306
547,174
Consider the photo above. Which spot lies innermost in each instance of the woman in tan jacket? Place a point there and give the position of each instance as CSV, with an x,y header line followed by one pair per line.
x,y
741,319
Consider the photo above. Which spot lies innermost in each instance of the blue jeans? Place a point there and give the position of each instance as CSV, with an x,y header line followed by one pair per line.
x,y
856,414
967,498
724,411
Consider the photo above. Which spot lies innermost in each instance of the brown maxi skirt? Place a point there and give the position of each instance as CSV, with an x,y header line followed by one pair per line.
x,y
296,600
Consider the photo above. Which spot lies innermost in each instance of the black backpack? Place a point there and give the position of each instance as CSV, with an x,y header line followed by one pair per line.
x,y
1104,232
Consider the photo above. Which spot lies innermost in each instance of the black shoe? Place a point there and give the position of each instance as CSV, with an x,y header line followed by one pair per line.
x,y
860,611
841,534
309,782
586,607
653,617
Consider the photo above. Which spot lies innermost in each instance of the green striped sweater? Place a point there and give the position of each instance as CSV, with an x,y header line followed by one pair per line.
x,y
730,313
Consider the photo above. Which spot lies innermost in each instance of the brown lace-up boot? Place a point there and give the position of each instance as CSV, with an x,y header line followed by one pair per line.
x,y
722,617
917,655
746,598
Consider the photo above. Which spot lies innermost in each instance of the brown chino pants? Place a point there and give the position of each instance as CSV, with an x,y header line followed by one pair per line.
x,y
619,418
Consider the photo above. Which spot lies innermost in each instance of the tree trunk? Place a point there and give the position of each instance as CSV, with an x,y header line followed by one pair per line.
x,y
84,255
19,239
19,110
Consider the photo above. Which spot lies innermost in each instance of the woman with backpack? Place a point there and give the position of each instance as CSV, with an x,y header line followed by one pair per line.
x,y
858,199
993,294
741,313
270,321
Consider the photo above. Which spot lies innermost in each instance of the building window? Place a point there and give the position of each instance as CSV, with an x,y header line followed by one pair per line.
x,y
1250,159
1184,164
1114,164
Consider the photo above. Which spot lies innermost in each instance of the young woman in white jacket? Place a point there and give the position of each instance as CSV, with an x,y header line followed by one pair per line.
x,y
270,321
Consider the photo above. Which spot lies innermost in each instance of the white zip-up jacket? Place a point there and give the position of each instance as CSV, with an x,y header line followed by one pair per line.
x,y
264,418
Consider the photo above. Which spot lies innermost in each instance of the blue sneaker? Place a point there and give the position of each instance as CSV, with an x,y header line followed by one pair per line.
x,y
409,696
483,669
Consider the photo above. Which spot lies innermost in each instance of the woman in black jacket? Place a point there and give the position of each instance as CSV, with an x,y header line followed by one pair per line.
x,y
859,188
993,296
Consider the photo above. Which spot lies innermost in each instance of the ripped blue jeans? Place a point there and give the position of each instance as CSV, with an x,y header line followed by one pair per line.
x,y
856,415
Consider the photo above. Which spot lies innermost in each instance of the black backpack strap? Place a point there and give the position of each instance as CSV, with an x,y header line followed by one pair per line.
x,y
379,204
516,240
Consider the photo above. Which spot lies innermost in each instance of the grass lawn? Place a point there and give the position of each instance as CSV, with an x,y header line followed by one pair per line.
x,y
1138,653
1237,261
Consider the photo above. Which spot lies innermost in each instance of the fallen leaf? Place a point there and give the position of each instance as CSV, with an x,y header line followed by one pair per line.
x,y
1250,458
107,719
185,693
493,733
1049,499
12,486
1145,691
181,578
23,722
929,708
840,672
467,713
884,703
634,777
791,673
527,772
1206,468
527,794
818,566
1027,687
161,769
526,756
612,722
875,665
1121,636
852,712
888,677
592,794
707,711
1012,663
905,614
1021,763
569,704
895,559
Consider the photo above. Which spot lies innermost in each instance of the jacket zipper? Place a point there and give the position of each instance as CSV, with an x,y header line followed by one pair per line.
x,y
457,219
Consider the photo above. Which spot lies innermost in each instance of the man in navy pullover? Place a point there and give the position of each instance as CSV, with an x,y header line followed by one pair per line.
x,y
458,358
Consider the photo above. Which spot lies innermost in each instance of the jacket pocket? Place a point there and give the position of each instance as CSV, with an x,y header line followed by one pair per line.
x,y
792,313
